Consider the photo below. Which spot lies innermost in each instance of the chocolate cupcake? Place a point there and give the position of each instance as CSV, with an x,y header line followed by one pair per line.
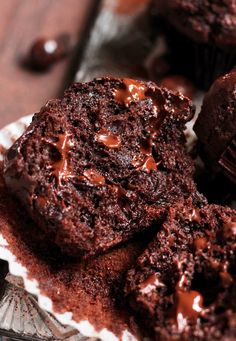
x,y
201,36
184,284
103,163
216,126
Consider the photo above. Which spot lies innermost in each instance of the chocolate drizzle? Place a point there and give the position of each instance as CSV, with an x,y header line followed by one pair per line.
x,y
228,160
151,283
108,139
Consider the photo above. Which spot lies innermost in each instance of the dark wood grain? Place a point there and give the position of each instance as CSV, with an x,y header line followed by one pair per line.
x,y
21,22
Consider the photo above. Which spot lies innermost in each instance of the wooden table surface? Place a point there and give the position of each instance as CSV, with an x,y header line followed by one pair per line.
x,y
22,22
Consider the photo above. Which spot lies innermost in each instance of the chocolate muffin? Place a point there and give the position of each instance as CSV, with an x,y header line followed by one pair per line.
x,y
103,163
183,286
202,36
216,126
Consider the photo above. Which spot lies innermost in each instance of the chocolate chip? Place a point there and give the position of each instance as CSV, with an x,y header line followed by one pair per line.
x,y
45,52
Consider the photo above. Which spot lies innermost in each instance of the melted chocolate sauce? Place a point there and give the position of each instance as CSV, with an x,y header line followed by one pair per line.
x,y
188,307
94,177
61,168
151,283
133,91
188,304
108,139
146,164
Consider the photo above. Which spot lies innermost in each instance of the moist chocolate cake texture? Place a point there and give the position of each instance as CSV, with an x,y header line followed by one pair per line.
x,y
183,286
102,163
92,290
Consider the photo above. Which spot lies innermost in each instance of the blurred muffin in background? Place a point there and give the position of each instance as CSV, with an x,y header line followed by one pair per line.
x,y
216,126
201,35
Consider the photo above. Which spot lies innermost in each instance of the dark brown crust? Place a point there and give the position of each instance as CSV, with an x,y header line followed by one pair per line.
x,y
87,193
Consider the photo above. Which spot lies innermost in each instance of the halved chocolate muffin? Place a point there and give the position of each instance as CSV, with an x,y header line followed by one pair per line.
x,y
183,286
102,163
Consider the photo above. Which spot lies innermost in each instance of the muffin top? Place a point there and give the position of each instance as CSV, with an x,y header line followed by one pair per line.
x,y
216,124
91,167
204,21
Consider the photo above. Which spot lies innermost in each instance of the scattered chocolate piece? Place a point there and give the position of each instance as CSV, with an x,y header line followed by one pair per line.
x,y
45,51
185,288
103,163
